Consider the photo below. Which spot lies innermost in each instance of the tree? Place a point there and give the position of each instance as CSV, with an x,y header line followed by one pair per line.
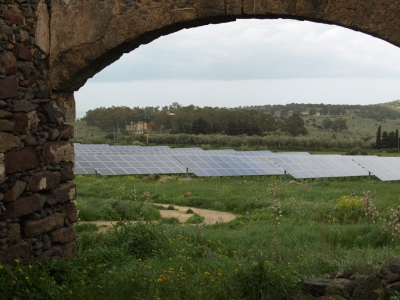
x,y
231,128
385,140
327,124
295,125
379,138
312,111
201,126
392,140
339,124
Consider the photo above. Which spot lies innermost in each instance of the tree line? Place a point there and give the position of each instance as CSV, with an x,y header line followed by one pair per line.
x,y
192,119
376,112
386,140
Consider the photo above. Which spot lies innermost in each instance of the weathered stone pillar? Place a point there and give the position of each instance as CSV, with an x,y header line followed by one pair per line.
x,y
37,205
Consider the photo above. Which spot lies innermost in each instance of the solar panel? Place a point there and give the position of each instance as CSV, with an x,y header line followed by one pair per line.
x,y
290,153
217,165
134,164
319,166
220,152
385,168
254,153
82,166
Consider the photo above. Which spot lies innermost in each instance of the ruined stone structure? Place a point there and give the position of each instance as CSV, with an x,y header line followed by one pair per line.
x,y
49,48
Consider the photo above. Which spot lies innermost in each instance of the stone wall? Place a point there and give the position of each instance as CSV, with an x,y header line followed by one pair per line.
x,y
36,159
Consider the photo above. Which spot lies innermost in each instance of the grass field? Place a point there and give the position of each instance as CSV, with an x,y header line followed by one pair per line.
x,y
285,231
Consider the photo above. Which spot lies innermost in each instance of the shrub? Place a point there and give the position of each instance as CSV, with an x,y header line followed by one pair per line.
x,y
117,209
140,239
195,219
171,220
349,209
88,227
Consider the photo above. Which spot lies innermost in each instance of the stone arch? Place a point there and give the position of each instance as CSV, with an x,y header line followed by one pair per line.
x,y
49,48
87,36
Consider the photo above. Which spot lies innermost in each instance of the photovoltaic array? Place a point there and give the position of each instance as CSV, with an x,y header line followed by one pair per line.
x,y
124,160
385,168
134,164
222,165
319,166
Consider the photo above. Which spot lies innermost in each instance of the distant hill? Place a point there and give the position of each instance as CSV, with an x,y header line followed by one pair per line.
x,y
378,112
395,105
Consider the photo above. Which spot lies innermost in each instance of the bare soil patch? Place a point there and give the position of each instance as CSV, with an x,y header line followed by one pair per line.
x,y
210,216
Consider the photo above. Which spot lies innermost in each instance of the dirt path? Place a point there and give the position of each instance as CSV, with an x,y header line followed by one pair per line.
x,y
210,216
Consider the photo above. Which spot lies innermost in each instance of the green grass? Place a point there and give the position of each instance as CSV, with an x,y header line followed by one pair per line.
x,y
285,231
195,219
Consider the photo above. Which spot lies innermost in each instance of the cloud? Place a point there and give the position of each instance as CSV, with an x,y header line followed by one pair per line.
x,y
258,49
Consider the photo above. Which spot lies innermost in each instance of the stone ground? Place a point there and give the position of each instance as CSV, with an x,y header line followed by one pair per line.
x,y
210,216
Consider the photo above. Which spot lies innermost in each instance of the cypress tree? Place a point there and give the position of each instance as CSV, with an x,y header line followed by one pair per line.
x,y
379,138
397,139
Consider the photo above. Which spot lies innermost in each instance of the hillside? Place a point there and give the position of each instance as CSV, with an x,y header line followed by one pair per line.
x,y
323,125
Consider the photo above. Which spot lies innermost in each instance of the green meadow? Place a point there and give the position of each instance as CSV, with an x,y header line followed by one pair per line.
x,y
284,231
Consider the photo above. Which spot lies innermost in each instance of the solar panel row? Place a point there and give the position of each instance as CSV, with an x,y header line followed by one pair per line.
x,y
122,160
215,165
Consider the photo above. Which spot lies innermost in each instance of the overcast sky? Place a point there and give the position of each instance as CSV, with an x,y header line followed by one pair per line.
x,y
250,62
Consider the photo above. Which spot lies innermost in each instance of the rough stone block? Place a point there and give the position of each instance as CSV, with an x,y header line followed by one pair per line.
x,y
68,132
21,122
394,277
45,180
393,264
23,206
56,152
21,160
33,119
19,251
6,125
28,82
67,172
14,16
66,192
370,288
42,34
34,228
4,114
8,141
395,286
13,193
9,87
23,105
69,250
63,235
14,233
30,140
46,254
53,113
24,53
319,286
10,63
70,210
